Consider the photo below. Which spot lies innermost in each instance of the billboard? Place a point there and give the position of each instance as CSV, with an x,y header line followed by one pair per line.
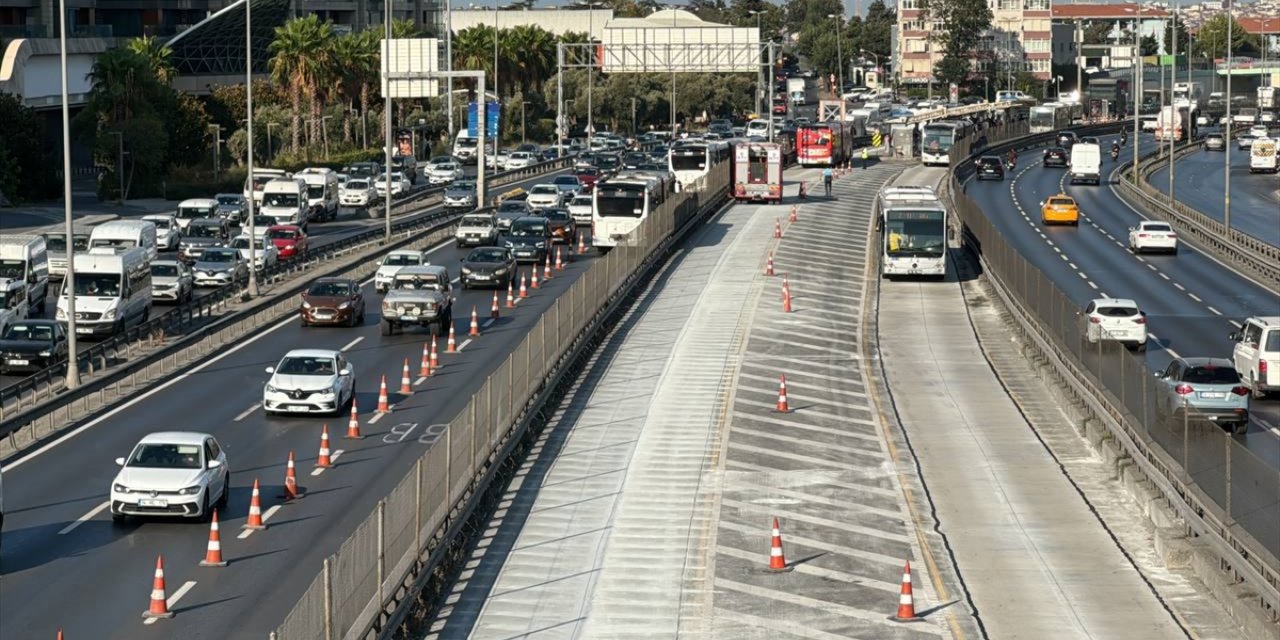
x,y
492,112
679,41
418,57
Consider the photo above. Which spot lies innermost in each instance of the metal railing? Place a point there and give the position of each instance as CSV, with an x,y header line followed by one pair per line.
x,y
367,586
1225,493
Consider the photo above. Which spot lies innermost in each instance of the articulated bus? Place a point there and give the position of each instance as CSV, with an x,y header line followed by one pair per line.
x,y
757,171
690,161
937,139
913,228
620,203
823,144
1051,116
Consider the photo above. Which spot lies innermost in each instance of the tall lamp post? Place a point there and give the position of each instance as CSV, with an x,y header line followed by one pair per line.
x,y
1226,132
839,52
386,111
73,365
248,102
591,67
760,103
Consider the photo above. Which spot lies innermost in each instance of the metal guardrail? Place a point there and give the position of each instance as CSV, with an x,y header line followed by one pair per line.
x,y
367,588
48,384
1224,492
1252,255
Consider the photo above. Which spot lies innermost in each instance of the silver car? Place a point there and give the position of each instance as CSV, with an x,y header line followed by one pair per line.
x,y
219,266
1204,389
171,281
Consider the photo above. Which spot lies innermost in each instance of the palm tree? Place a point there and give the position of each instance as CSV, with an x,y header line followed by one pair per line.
x,y
300,58
531,54
473,49
355,56
157,55
119,79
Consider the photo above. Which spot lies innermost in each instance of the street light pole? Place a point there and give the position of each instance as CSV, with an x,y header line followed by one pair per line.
x,y
1173,77
386,114
760,97
271,154
1137,88
217,149
591,69
839,52
248,102
523,104
69,285
448,62
1226,134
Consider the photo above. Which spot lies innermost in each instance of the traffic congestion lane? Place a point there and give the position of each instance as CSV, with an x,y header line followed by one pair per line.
x,y
1090,265
1198,183
37,561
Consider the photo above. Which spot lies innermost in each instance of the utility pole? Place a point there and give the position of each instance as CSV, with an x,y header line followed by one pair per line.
x,y
761,105
1226,133
448,62
248,101
840,52
73,363
1137,88
1173,77
1079,60
386,112
591,69
217,149
523,104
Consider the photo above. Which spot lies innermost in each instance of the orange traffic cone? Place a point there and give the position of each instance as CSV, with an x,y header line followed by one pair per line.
x,y
406,383
582,244
353,425
493,310
533,279
322,460
475,323
786,300
546,270
255,510
559,262
524,291
777,561
59,634
424,367
213,554
777,228
906,603
384,405
159,602
291,481
452,345
435,355
768,265
511,298
783,405
793,213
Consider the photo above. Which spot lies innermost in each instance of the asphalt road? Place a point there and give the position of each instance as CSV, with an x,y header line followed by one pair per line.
x,y
350,222
1192,301
1255,198
93,578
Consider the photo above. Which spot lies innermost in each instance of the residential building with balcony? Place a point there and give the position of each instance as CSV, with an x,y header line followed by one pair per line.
x,y
1020,39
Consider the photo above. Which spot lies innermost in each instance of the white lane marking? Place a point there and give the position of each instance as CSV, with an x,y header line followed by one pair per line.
x,y
1104,295
266,515
177,595
1094,286
486,323
1237,324
1179,287
1194,297
147,394
1082,275
245,414
1164,275
419,381
378,416
1214,311
352,343
1073,266
464,344
84,518
333,459
456,280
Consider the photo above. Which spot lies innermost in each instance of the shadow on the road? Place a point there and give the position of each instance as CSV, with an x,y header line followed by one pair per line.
x,y
924,613
31,547
95,499
180,610
232,559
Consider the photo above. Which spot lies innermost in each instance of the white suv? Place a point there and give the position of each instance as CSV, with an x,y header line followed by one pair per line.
x,y
1152,235
1257,354
1116,320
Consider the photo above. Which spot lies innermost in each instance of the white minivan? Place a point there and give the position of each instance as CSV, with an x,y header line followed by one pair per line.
x,y
113,291
322,192
25,259
122,235
285,201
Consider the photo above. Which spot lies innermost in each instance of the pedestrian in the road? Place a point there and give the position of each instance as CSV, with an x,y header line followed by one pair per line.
x,y
864,157
827,176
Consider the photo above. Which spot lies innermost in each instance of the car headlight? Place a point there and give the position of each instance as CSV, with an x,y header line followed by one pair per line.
x,y
288,247
399,310
119,488
45,354
110,314
344,305
61,314
508,244
189,491
466,270
306,305
327,393
542,244
271,389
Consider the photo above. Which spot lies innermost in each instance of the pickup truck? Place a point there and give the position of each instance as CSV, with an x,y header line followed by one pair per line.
x,y
420,295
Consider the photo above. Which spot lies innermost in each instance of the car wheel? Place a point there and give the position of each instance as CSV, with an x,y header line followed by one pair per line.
x,y
386,328
1173,251
1255,389
1239,428
305,324
1141,347
206,513
360,318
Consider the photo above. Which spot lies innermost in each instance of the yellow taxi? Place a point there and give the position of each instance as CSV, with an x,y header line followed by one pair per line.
x,y
1060,209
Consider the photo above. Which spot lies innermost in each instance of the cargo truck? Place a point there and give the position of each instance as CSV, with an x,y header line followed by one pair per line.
x,y
798,91
1262,156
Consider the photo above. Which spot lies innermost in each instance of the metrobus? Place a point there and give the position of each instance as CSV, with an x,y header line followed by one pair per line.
x,y
823,144
757,171
691,161
1050,117
937,139
913,228
618,206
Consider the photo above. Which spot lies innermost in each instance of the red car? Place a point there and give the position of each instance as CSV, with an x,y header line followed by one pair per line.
x,y
290,240
587,176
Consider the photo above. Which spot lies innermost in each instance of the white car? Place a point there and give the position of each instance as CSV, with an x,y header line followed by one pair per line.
x,y
1153,235
358,192
1256,354
266,256
1116,320
439,160
544,196
309,381
1258,131
168,233
580,210
393,263
399,184
171,473
498,161
520,160
443,173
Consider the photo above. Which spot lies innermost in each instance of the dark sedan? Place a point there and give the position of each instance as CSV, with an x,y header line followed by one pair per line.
x,y
509,210
563,228
333,301
990,168
488,266
1056,157
32,345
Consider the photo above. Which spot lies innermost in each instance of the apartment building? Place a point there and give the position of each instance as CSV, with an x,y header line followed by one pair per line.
x,y
1020,39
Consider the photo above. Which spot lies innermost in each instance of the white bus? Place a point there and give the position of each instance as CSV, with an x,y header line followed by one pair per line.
x,y
937,139
618,206
690,161
913,229
1050,117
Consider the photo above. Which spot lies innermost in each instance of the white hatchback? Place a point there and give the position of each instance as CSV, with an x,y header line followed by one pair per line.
x,y
1116,320
1153,235
309,381
171,473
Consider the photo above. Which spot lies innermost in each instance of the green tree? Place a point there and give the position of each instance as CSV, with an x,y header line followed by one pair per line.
x,y
1211,38
157,54
301,60
807,13
875,34
1176,28
1149,46
962,22
1097,32
24,157
355,59
532,51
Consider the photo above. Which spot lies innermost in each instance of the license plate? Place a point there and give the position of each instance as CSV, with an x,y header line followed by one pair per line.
x,y
152,502
479,277
1212,394
298,409
84,329
409,318
914,272
324,316
18,362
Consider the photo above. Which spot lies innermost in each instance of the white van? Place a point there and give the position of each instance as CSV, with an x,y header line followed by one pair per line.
x,y
1086,163
25,259
13,302
465,147
322,192
285,201
758,127
195,209
122,235
112,292
260,179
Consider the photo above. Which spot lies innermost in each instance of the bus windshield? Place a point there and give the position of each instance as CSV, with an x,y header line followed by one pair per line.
x,y
1042,118
938,138
688,160
620,203
919,233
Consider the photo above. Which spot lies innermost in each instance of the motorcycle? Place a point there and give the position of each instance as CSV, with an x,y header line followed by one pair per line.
x,y
1115,155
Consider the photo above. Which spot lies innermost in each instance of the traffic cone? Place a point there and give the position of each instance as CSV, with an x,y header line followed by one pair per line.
x,y
511,298
582,244
353,425
783,405
533,279
435,355
213,554
559,262
291,481
793,213
406,383
768,265
777,228
384,405
255,510
452,345
546,270
777,561
524,291
906,604
475,323
786,294
322,460
159,602
493,310
59,634
424,367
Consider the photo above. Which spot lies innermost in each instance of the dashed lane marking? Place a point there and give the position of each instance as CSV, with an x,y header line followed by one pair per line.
x,y
332,459
245,414
352,343
1179,287
266,515
378,416
1194,297
173,599
84,518
1091,284
1214,311
464,344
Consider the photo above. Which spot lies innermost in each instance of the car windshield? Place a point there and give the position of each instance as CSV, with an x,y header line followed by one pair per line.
x,y
315,191
1061,202
203,231
231,200
12,269
545,189
476,221
461,187
241,242
511,206
282,234
1057,151
1210,374
487,254
160,223
586,172
525,228
418,281
114,243
280,200
192,213
166,456
402,260
441,160
58,243
566,180
556,215
357,185
1273,341
159,270
307,366
219,255
330,289
581,201
29,331
97,284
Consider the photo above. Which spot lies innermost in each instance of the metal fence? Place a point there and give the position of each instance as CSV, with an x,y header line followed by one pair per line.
x,y
1233,490
361,584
